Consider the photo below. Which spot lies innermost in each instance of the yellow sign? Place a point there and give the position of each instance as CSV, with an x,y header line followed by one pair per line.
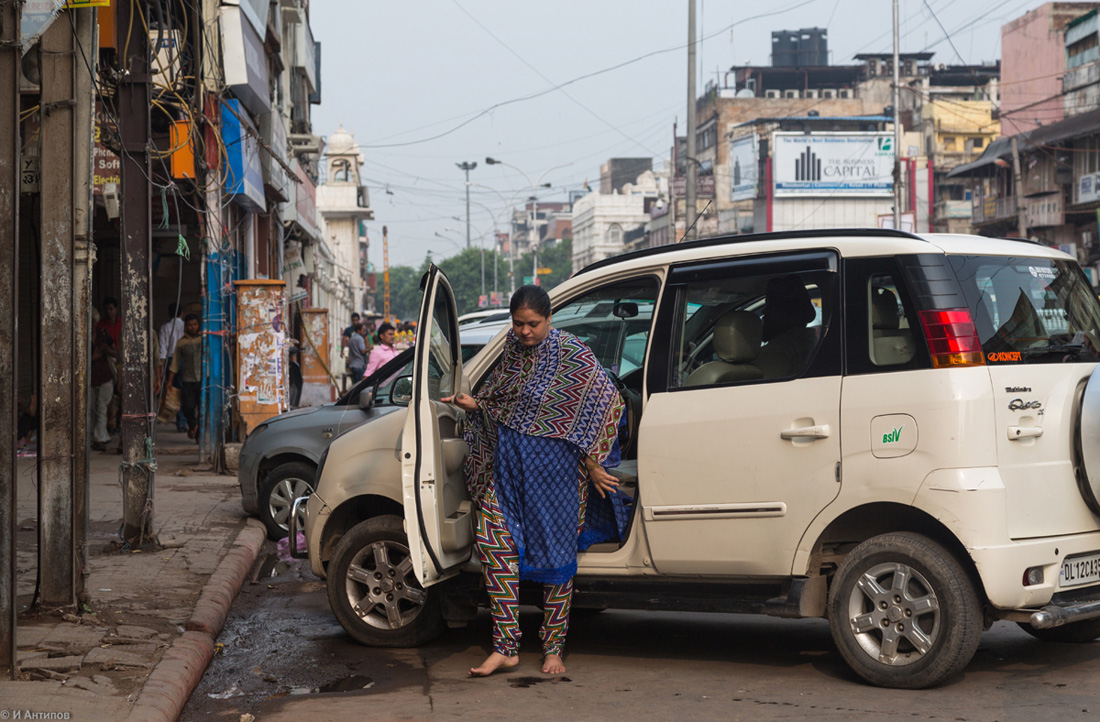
x,y
87,3
545,271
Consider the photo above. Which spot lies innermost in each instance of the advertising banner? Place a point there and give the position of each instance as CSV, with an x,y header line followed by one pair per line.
x,y
742,160
833,164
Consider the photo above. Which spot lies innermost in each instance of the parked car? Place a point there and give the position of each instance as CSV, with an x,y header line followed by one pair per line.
x,y
279,458
897,433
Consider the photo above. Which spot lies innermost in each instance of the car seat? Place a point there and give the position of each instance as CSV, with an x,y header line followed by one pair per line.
x,y
736,342
788,342
890,344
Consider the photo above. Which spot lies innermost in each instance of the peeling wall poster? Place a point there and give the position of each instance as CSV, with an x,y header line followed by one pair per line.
x,y
262,345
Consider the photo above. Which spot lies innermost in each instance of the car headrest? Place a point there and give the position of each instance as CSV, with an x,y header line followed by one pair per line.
x,y
787,305
737,336
884,309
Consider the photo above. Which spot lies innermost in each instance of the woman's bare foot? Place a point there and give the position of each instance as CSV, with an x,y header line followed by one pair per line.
x,y
552,664
492,663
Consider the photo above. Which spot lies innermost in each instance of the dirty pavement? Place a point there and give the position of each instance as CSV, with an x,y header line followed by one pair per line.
x,y
141,642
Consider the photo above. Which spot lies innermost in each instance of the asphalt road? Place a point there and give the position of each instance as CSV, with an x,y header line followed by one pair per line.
x,y
286,658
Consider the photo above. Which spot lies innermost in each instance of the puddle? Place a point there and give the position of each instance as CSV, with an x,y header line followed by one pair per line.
x,y
353,683
271,566
524,682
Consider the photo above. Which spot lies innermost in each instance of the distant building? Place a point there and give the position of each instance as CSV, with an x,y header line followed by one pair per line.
x,y
604,223
617,172
1033,52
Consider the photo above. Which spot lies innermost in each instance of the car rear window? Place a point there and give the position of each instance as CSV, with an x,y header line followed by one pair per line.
x,y
1030,310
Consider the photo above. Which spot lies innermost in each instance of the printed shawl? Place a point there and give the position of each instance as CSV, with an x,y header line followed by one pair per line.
x,y
557,389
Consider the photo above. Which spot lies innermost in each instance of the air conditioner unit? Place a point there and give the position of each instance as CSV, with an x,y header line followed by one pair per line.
x,y
828,92
772,94
844,93
812,93
792,94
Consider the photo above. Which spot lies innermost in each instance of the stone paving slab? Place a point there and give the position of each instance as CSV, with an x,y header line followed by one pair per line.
x,y
127,653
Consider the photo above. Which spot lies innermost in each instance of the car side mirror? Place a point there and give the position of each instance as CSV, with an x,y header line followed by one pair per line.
x,y
402,391
626,309
366,399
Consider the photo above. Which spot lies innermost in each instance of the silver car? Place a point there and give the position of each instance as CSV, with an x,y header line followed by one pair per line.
x,y
279,458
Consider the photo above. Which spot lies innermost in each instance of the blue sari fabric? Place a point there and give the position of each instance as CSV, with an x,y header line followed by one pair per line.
x,y
537,481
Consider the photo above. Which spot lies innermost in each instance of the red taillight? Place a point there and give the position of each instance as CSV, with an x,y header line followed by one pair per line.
x,y
952,339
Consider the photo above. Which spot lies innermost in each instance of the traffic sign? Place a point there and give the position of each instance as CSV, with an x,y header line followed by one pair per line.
x,y
545,271
528,280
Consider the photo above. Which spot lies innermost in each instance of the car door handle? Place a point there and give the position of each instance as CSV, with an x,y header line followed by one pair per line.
x,y
1015,433
806,432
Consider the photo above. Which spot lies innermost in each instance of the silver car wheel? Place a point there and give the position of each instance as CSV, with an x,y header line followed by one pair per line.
x,y
381,587
281,500
894,614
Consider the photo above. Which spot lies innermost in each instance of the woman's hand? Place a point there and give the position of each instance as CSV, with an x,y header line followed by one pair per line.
x,y
604,482
462,401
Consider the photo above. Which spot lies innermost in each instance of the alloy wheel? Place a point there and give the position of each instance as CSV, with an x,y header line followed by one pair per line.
x,y
894,614
381,587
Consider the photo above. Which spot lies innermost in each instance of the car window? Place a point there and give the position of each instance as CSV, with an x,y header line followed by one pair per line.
x,y
1030,310
441,363
385,387
752,327
614,321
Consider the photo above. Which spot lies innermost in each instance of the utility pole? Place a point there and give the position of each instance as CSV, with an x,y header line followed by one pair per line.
x,y
385,274
1021,214
469,166
85,25
10,63
897,127
535,241
57,445
134,102
689,200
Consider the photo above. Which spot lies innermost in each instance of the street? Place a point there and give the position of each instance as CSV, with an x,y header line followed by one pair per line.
x,y
286,658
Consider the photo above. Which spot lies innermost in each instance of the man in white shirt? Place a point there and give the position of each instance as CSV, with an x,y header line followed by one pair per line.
x,y
169,333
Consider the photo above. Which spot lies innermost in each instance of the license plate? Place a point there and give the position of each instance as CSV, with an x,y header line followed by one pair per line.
x,y
1076,571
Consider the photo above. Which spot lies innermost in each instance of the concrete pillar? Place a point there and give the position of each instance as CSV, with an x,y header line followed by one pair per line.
x,y
57,394
10,55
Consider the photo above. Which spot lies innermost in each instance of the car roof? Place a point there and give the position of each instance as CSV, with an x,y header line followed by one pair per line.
x,y
481,333
850,242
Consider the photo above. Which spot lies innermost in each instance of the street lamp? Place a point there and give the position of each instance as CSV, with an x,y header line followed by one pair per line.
x,y
467,166
535,215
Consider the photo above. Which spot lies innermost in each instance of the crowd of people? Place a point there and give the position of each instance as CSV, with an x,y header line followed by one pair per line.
x,y
369,345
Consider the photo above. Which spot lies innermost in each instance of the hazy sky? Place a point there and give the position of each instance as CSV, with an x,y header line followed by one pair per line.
x,y
396,74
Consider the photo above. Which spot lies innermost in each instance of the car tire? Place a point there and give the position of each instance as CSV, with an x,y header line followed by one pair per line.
x,y
279,489
903,612
373,591
1075,633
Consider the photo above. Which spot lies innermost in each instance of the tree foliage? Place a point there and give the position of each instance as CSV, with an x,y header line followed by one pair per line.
x,y
463,270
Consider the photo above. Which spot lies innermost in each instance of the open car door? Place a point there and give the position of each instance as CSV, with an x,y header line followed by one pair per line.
x,y
439,516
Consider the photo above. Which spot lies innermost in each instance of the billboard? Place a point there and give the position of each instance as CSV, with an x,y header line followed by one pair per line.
x,y
833,164
742,160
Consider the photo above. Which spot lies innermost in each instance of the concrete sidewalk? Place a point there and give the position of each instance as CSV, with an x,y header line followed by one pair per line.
x,y
141,644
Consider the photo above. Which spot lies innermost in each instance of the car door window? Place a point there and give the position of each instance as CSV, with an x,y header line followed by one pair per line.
x,y
883,329
614,321
441,362
751,324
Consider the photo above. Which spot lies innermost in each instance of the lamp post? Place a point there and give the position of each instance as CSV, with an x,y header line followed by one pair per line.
x,y
496,245
535,215
467,166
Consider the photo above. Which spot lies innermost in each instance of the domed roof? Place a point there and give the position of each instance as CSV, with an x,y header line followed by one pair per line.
x,y
341,143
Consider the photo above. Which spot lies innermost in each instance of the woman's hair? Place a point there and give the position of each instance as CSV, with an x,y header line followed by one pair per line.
x,y
532,297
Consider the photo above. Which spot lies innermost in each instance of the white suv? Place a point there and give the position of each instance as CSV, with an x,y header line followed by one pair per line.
x,y
895,432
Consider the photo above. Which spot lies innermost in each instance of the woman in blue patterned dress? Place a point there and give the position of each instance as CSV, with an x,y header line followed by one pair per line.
x,y
541,430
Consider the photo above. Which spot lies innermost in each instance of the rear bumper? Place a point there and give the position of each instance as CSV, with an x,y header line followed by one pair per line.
x,y
1002,568
1067,608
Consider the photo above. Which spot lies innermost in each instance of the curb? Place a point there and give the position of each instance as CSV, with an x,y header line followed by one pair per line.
x,y
179,671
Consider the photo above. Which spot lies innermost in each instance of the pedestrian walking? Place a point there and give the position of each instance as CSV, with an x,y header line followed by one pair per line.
x,y
187,363
101,380
357,353
169,333
541,430
345,337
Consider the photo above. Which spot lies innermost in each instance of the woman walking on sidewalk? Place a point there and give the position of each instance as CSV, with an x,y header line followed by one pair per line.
x,y
540,430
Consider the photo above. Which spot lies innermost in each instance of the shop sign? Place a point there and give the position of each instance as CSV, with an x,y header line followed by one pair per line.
x,y
742,160
106,166
704,186
244,175
37,16
1088,188
833,164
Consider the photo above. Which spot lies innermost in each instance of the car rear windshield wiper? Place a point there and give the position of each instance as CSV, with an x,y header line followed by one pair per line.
x,y
1063,349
